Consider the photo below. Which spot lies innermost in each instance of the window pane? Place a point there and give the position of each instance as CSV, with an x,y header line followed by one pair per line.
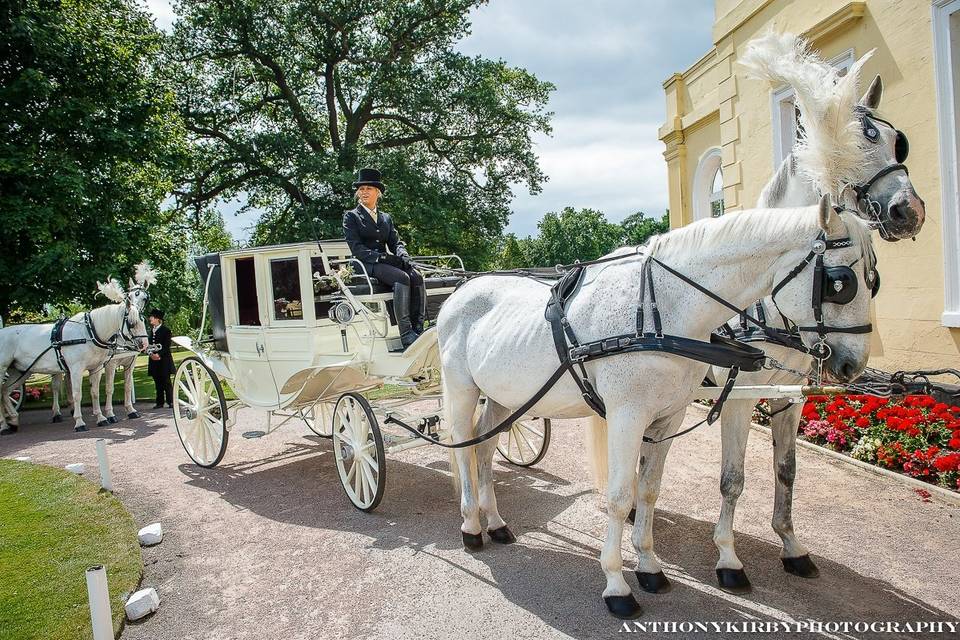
x,y
287,302
716,208
248,312
717,182
320,307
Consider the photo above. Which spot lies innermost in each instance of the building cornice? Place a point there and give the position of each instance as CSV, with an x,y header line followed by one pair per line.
x,y
839,20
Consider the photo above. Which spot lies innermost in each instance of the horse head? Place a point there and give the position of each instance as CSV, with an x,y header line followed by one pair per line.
x,y
827,294
842,148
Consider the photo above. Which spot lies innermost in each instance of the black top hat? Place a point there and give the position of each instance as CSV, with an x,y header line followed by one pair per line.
x,y
157,313
370,177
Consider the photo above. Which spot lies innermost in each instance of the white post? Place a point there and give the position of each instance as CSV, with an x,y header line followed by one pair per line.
x,y
99,596
106,481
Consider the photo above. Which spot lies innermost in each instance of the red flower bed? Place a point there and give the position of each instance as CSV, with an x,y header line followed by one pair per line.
x,y
917,436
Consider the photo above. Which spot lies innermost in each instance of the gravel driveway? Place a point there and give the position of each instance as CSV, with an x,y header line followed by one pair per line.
x,y
267,546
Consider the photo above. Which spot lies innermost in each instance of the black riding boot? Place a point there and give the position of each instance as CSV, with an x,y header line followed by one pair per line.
x,y
401,310
418,308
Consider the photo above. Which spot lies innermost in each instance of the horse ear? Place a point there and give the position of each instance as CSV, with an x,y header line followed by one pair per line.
x,y
871,99
825,212
130,283
828,219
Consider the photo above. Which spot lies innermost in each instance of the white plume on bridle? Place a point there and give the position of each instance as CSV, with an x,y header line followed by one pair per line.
x,y
830,153
145,275
111,290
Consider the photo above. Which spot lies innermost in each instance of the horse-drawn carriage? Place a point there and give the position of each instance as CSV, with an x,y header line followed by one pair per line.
x,y
296,335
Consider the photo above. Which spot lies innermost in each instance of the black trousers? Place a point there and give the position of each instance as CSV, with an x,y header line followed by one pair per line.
x,y
392,275
164,388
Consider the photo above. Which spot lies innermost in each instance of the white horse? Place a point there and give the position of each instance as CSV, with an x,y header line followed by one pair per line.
x,y
91,340
834,144
137,287
493,327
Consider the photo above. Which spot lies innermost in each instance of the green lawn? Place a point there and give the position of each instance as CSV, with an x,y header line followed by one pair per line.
x,y
146,391
53,526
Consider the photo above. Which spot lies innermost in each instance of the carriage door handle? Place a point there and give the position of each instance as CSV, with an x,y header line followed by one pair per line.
x,y
260,349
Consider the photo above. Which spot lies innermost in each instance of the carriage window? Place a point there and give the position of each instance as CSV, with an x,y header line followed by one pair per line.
x,y
287,302
248,311
320,289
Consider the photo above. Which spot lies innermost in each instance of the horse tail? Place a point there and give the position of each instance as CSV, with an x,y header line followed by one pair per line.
x,y
596,437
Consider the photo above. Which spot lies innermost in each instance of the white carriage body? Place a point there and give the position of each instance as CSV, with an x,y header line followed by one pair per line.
x,y
273,340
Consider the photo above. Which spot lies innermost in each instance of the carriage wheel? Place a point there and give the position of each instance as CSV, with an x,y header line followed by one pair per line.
x,y
526,442
358,447
319,418
200,412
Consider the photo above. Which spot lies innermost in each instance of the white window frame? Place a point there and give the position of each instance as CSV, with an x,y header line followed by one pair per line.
x,y
783,122
708,165
946,79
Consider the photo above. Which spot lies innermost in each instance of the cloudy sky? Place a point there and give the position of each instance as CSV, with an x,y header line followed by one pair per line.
x,y
608,60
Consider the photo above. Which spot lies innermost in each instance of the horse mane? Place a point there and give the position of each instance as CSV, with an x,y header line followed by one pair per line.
x,y
830,154
756,226
775,190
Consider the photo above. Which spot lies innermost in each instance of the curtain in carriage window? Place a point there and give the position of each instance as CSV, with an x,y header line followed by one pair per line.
x,y
285,278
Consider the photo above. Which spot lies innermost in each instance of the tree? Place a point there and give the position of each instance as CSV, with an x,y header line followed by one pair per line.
x,y
638,228
515,253
573,235
89,136
285,99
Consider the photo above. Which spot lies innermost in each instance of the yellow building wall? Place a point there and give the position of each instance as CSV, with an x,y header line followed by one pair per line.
x,y
912,296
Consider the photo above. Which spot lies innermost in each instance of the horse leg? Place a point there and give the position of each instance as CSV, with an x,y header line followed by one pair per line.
x,y
128,390
461,405
8,415
76,389
95,377
56,382
795,557
652,459
734,431
624,433
110,369
497,529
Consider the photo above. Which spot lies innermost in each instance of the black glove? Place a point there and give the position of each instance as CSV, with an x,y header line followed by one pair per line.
x,y
393,261
407,262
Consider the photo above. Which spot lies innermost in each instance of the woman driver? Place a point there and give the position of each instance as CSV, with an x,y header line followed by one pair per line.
x,y
370,232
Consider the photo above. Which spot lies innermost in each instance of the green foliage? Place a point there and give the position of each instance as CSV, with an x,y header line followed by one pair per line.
x,y
638,228
285,99
572,235
54,526
89,137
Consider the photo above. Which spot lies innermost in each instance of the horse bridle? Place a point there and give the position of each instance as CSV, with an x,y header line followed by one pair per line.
x,y
831,284
871,132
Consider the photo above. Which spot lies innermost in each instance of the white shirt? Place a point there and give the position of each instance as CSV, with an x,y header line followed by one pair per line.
x,y
373,214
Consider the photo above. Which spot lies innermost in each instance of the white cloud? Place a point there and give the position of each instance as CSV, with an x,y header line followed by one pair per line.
x,y
162,10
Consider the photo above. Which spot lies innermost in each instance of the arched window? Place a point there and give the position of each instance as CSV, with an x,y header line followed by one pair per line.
x,y
708,186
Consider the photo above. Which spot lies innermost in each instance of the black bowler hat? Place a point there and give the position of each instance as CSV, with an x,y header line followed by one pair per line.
x,y
370,177
157,313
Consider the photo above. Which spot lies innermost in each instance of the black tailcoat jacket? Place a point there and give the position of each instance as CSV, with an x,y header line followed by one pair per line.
x,y
369,239
164,366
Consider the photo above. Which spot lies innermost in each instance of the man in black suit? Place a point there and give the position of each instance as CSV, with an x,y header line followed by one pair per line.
x,y
370,232
161,365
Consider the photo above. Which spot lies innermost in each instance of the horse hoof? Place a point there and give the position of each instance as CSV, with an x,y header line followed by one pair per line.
x,y
632,516
733,580
503,535
623,607
653,582
113,420
57,418
472,541
80,428
9,430
133,415
801,566
103,423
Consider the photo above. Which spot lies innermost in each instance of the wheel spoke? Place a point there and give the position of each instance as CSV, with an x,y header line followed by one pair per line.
x,y
369,486
527,442
531,430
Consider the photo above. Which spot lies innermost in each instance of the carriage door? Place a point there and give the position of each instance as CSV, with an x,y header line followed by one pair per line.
x,y
289,338
248,359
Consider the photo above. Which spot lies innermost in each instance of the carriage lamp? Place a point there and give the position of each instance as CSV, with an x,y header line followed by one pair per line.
x,y
342,313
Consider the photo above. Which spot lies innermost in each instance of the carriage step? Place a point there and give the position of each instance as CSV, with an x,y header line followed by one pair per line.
x,y
253,435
